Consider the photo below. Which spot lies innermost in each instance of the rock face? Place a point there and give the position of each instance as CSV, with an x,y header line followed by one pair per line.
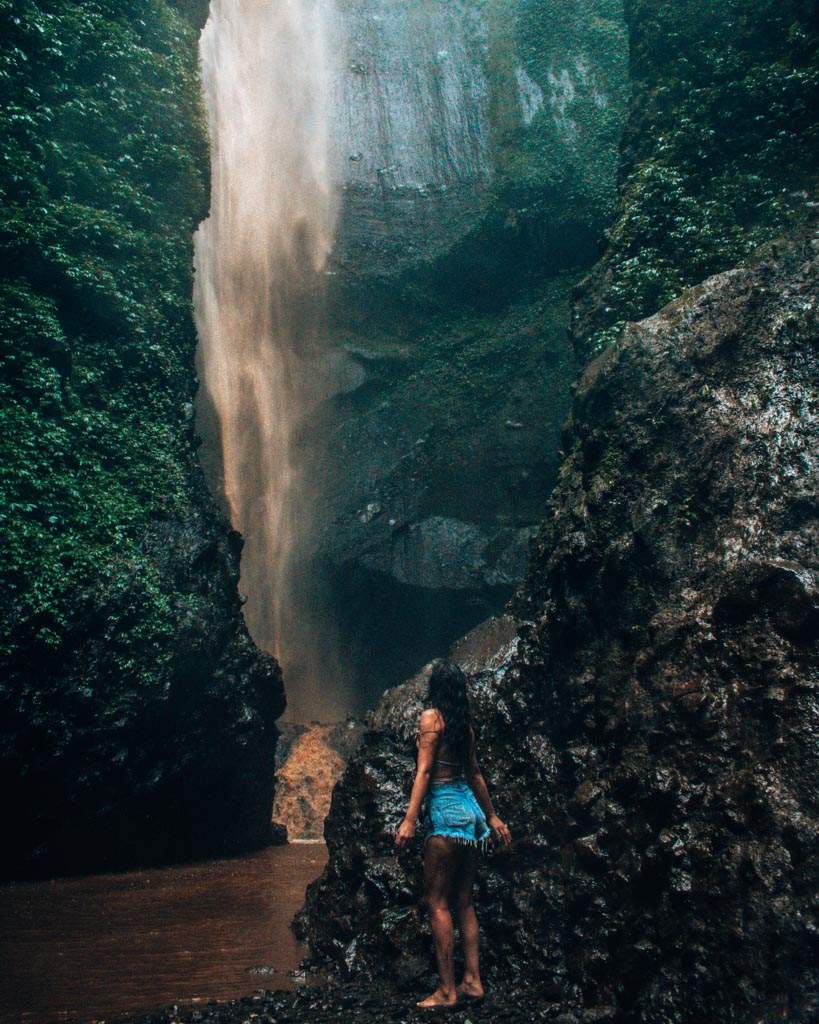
x,y
431,105
310,760
475,148
718,154
410,128
651,737
137,716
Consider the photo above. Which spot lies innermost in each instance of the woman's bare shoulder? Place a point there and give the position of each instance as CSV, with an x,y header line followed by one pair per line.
x,y
430,720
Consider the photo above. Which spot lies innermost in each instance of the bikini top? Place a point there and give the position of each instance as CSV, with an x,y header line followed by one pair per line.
x,y
439,760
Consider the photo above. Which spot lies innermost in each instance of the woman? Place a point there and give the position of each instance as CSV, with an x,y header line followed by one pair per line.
x,y
449,783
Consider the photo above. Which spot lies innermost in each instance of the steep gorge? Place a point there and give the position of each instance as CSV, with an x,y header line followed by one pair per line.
x,y
367,409
649,733
128,661
650,737
475,151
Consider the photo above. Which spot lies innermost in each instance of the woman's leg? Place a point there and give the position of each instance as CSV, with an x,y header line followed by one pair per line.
x,y
468,921
438,864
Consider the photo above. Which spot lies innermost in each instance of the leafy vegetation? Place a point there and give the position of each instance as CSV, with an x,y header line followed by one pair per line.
x,y
103,178
721,151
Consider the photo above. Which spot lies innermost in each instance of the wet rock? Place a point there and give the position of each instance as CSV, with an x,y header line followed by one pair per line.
x,y
650,737
441,552
312,764
118,766
359,1004
468,200
278,833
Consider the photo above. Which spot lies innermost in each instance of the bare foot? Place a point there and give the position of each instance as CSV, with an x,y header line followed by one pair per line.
x,y
470,990
439,998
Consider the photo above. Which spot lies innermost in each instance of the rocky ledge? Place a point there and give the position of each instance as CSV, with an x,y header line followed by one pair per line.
x,y
650,736
369,1004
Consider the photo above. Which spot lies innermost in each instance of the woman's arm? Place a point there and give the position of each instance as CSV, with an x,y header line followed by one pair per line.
x,y
481,791
430,727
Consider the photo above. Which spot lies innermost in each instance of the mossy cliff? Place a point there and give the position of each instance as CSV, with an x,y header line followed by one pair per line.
x,y
476,149
719,154
137,716
651,736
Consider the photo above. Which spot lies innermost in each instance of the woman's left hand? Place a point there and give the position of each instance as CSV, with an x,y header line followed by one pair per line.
x,y
406,830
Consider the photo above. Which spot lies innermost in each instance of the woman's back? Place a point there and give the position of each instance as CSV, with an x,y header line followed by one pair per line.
x,y
448,763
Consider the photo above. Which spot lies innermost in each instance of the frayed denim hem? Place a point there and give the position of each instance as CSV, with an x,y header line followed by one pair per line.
x,y
481,844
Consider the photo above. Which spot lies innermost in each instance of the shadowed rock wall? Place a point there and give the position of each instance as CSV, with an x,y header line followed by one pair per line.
x,y
651,742
475,147
650,737
137,716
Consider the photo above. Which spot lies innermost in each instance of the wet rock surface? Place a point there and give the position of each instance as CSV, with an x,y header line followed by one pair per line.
x,y
650,737
310,759
475,147
373,1005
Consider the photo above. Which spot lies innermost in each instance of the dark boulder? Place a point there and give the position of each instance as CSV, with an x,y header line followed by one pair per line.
x,y
651,738
114,755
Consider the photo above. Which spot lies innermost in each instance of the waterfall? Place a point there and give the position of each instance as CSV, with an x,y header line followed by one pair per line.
x,y
260,264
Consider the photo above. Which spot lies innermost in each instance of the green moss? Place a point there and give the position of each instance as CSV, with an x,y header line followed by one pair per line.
x,y
563,165
721,150
102,182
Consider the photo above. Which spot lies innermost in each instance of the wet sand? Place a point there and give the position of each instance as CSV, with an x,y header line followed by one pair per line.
x,y
104,946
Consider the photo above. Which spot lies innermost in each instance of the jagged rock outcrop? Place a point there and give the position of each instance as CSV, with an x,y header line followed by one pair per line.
x,y
310,760
138,719
651,741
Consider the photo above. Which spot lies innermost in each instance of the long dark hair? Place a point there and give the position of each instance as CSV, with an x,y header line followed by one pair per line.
x,y
447,693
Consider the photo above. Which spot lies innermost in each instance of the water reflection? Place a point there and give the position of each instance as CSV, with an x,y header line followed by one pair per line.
x,y
108,945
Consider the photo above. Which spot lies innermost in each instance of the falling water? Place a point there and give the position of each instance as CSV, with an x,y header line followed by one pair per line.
x,y
260,261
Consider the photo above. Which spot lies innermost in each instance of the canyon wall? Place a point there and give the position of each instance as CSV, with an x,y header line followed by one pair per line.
x,y
650,735
719,153
137,716
650,739
475,149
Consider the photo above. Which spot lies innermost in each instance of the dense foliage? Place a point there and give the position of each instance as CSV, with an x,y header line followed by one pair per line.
x,y
131,695
103,180
720,154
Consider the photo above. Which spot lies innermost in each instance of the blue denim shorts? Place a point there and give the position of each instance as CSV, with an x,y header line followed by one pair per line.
x,y
450,809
